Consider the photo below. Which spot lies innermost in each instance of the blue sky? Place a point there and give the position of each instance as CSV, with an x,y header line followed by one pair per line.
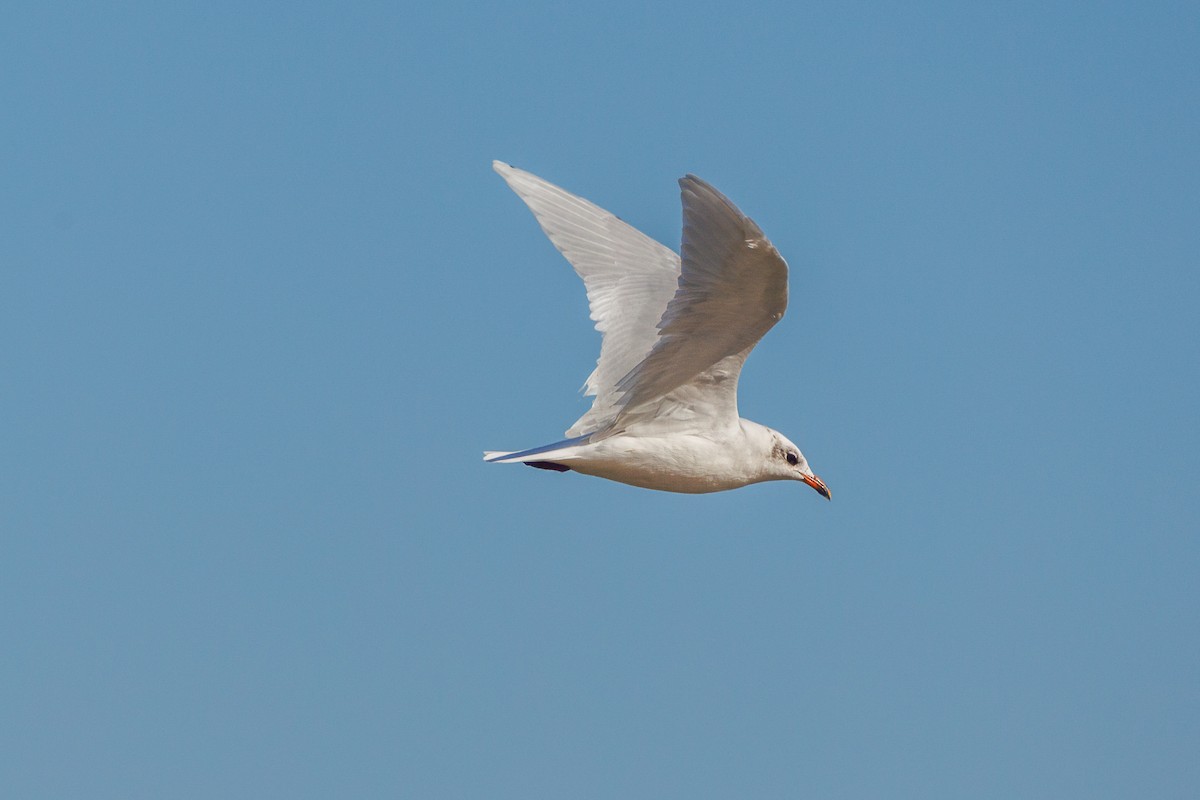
x,y
263,303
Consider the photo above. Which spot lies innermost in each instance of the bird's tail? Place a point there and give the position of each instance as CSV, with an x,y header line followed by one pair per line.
x,y
543,453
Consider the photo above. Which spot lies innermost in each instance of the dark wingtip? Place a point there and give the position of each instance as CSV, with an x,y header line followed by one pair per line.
x,y
546,465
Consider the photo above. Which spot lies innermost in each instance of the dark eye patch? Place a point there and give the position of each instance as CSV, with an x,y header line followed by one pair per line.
x,y
793,459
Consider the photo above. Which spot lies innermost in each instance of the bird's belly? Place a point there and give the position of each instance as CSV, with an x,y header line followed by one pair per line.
x,y
692,468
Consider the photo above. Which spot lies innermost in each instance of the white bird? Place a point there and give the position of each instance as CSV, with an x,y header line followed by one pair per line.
x,y
676,332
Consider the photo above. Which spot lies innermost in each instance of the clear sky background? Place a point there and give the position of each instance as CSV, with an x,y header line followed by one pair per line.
x,y
263,303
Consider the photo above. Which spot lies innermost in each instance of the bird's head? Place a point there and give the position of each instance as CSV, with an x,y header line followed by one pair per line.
x,y
788,463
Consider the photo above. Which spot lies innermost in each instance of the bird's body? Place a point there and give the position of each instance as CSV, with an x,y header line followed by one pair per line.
x,y
676,333
688,462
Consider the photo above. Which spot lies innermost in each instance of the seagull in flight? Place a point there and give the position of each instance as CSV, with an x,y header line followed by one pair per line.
x,y
676,330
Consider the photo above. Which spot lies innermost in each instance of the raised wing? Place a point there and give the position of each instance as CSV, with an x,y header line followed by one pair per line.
x,y
629,278
732,290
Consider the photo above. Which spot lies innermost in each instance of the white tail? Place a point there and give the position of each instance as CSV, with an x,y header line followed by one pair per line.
x,y
516,457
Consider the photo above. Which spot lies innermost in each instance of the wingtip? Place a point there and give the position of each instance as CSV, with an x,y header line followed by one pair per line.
x,y
701,189
704,192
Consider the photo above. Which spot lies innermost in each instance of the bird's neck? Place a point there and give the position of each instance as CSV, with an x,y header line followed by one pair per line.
x,y
759,443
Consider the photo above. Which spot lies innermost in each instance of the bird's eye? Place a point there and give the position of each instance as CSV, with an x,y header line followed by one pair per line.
x,y
793,459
